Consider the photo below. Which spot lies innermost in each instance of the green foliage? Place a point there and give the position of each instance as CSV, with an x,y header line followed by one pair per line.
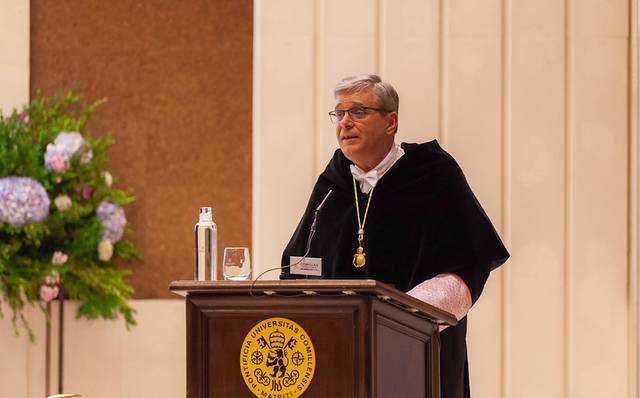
x,y
26,251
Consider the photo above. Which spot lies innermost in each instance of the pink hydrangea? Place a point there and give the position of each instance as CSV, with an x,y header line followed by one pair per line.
x,y
84,190
58,162
23,116
48,293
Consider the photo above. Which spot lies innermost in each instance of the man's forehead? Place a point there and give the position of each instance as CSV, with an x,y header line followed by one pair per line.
x,y
356,98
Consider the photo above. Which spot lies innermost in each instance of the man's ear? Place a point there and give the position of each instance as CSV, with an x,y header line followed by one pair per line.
x,y
392,123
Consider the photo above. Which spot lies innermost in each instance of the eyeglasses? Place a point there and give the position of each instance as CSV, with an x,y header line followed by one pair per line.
x,y
355,113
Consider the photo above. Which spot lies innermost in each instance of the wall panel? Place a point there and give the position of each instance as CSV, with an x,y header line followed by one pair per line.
x,y
601,175
284,129
348,46
538,158
103,359
14,47
410,47
16,353
474,136
15,370
531,98
178,82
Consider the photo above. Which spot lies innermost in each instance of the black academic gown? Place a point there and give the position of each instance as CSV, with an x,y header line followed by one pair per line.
x,y
423,220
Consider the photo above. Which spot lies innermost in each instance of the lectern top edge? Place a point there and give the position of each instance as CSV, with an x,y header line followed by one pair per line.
x,y
319,287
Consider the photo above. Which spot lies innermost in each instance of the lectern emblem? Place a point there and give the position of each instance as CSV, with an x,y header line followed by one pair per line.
x,y
277,359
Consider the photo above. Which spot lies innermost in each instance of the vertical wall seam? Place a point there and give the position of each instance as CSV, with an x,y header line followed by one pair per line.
x,y
442,80
320,113
315,101
28,61
256,131
633,150
506,194
569,192
27,369
380,31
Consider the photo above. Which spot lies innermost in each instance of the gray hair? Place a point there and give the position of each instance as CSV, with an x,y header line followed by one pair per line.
x,y
387,96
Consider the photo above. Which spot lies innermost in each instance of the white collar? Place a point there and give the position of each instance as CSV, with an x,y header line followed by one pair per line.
x,y
369,179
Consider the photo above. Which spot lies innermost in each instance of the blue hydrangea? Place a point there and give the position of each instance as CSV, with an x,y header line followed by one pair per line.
x,y
112,217
23,201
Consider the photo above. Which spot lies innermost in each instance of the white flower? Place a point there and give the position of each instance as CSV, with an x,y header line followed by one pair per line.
x,y
69,141
86,157
108,178
59,258
105,250
62,202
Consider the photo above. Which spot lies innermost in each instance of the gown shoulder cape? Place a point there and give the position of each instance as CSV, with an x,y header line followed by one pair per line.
x,y
423,220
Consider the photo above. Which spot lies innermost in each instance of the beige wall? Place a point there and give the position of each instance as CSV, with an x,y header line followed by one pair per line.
x,y
532,99
634,203
14,47
102,359
16,355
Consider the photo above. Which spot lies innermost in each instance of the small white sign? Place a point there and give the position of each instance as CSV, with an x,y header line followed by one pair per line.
x,y
309,266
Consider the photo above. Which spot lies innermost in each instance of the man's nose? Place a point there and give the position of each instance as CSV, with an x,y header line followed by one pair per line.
x,y
346,120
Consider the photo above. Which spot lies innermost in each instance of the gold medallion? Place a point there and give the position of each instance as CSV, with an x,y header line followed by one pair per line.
x,y
359,259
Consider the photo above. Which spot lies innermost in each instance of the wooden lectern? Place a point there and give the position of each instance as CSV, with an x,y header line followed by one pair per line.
x,y
370,339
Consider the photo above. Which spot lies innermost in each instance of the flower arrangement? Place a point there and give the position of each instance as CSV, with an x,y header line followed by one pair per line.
x,y
62,224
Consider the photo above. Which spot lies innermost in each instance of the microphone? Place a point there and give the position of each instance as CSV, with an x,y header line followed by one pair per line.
x,y
314,225
324,200
312,232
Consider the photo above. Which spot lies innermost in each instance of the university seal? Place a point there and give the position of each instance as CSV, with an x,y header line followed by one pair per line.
x,y
277,359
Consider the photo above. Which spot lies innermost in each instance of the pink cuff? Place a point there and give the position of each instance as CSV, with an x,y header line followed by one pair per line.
x,y
446,291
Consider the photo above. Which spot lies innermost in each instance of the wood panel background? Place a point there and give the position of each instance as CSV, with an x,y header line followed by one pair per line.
x,y
177,77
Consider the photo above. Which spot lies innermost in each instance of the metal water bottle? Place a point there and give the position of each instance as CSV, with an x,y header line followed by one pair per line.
x,y
206,246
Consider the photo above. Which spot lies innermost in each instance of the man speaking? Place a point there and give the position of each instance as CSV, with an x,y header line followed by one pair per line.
x,y
401,214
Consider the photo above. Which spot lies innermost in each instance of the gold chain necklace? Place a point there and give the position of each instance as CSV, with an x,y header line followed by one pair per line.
x,y
359,259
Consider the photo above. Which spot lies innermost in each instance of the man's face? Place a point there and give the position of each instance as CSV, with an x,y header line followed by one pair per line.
x,y
368,140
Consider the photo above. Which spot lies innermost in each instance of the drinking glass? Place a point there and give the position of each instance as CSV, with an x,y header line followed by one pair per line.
x,y
236,264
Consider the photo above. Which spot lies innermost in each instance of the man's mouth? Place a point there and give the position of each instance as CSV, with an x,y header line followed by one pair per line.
x,y
349,137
